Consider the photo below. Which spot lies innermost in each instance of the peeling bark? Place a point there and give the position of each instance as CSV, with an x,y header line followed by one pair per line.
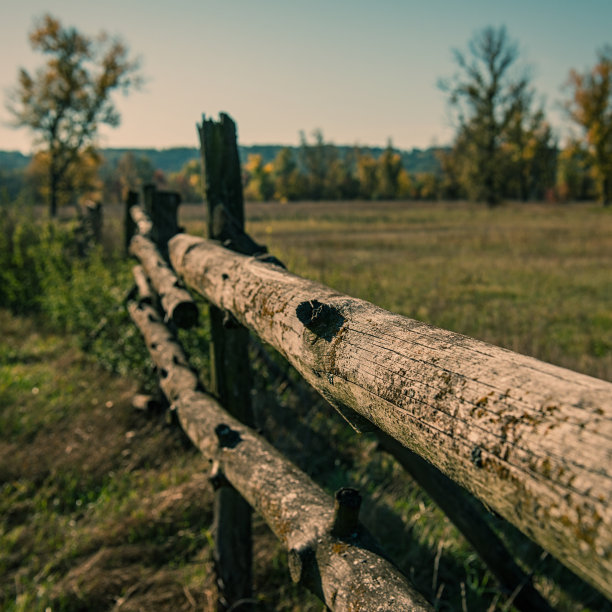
x,y
531,440
347,573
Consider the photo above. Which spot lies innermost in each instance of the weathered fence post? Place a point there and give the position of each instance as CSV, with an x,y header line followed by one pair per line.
x,y
162,208
130,225
231,373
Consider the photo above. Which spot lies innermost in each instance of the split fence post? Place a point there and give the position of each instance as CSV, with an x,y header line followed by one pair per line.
x,y
231,370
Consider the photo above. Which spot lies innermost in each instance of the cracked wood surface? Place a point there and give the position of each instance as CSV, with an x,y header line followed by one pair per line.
x,y
346,573
531,440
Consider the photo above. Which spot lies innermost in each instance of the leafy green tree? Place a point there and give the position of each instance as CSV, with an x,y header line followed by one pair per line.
x,y
288,182
128,172
366,175
340,183
405,185
591,108
530,152
82,176
388,168
187,182
259,184
574,181
317,160
68,98
485,94
452,186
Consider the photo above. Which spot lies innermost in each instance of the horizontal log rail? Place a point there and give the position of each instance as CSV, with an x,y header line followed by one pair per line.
x,y
531,440
176,301
330,552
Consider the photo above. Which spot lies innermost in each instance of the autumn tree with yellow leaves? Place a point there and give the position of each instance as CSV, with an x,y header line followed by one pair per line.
x,y
65,101
591,108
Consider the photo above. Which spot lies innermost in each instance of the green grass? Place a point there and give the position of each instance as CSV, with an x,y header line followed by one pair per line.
x,y
102,506
531,278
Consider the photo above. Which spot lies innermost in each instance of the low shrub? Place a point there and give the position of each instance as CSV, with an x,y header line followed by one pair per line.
x,y
42,274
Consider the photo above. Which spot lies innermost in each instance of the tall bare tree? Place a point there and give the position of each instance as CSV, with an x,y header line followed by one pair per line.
x,y
66,100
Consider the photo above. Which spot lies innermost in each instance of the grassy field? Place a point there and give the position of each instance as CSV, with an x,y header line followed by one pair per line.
x,y
532,278
105,508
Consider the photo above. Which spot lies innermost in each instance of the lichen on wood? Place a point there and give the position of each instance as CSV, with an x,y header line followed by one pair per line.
x,y
348,572
175,300
531,440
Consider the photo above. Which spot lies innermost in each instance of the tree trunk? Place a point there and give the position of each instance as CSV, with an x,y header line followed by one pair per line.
x,y
53,191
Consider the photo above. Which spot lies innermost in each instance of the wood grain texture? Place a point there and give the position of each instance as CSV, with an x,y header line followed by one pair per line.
x,y
531,440
346,573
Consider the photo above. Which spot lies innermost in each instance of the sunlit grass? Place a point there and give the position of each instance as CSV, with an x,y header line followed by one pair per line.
x,y
101,506
531,278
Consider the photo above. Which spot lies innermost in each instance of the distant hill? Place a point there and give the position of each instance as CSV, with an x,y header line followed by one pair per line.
x,y
167,160
13,160
173,159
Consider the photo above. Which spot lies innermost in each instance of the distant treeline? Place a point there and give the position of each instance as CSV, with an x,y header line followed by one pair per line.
x,y
314,170
320,170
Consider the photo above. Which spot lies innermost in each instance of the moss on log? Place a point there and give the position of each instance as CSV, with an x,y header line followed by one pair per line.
x,y
347,572
175,300
531,440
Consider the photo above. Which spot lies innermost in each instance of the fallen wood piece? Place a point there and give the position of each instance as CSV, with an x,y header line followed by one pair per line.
x,y
347,572
531,440
146,403
176,301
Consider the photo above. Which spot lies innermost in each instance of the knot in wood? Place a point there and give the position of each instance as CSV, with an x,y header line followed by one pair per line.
x,y
477,456
228,438
323,320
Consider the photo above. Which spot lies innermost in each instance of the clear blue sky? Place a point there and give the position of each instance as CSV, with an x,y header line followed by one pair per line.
x,y
362,71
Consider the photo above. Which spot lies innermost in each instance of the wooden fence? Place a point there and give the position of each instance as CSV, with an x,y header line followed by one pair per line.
x,y
530,440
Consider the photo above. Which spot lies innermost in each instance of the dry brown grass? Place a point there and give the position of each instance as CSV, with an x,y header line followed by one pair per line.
x,y
105,508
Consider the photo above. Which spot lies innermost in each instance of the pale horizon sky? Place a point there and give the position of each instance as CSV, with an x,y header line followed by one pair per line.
x,y
360,71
